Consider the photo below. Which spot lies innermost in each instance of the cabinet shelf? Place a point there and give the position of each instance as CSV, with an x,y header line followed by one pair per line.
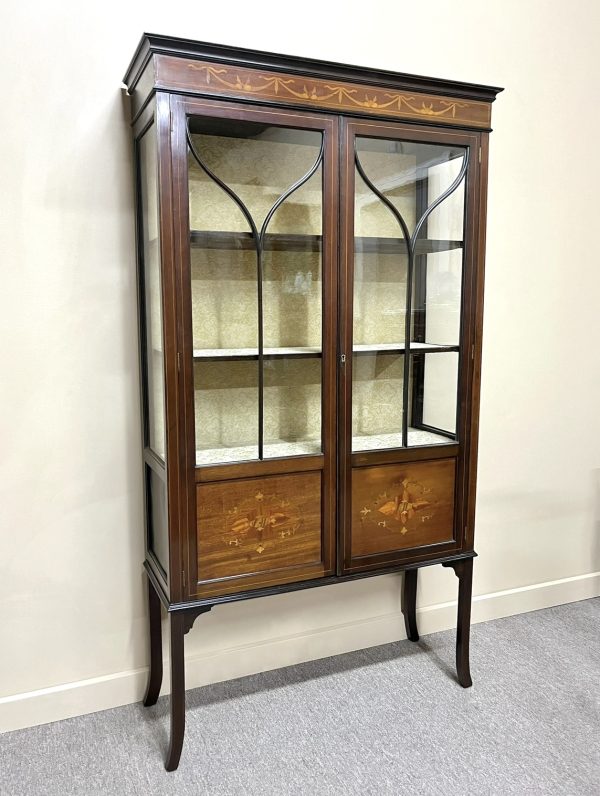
x,y
312,243
306,352
309,352
242,453
286,352
400,348
379,442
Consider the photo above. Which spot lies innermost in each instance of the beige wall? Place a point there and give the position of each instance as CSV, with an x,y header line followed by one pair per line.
x,y
72,603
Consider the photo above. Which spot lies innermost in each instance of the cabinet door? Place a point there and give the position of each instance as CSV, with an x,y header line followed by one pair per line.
x,y
257,235
406,259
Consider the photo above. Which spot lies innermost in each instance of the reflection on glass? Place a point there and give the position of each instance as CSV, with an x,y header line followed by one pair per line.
x,y
409,228
434,384
154,386
255,194
438,275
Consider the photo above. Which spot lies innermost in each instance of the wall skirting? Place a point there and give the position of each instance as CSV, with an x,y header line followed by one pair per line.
x,y
102,693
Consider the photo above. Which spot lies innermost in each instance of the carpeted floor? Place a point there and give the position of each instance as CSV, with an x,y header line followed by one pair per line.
x,y
388,720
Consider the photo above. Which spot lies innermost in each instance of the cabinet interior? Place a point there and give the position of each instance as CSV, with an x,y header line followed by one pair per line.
x,y
233,163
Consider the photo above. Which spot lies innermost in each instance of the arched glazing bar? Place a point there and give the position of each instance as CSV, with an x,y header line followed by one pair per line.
x,y
258,237
410,242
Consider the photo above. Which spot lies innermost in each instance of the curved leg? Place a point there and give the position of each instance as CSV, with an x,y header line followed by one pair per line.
x,y
156,662
409,603
177,691
464,572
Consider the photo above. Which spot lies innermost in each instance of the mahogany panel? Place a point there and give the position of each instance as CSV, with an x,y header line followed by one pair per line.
x,y
227,80
400,506
226,472
259,525
393,455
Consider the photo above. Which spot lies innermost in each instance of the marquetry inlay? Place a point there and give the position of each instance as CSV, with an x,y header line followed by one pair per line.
x,y
393,508
400,506
233,81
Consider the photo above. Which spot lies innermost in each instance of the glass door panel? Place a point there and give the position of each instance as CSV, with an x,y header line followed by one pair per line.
x,y
256,209
408,262
433,390
437,279
226,413
377,381
292,406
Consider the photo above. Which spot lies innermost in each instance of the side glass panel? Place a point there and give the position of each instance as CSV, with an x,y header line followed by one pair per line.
x,y
153,375
255,196
157,531
408,260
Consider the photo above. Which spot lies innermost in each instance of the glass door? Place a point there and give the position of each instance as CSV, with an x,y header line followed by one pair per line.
x,y
408,263
405,237
258,226
256,232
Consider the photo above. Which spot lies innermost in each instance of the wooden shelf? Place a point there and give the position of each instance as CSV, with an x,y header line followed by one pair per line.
x,y
286,352
306,352
309,352
283,449
397,246
271,450
245,241
416,437
312,243
400,348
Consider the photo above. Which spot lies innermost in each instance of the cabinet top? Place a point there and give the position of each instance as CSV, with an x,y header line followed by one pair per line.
x,y
265,70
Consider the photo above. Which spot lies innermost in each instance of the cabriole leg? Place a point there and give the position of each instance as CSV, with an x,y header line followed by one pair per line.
x,y
409,603
177,691
156,663
464,572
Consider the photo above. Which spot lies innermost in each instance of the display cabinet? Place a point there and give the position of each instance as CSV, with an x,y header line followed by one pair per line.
x,y
310,259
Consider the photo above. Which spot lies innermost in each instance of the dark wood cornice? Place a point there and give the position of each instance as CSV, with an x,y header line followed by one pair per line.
x,y
151,44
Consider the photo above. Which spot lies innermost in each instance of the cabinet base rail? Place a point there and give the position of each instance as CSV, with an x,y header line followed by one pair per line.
x,y
182,618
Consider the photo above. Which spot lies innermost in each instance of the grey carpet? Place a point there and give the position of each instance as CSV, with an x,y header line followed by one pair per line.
x,y
388,720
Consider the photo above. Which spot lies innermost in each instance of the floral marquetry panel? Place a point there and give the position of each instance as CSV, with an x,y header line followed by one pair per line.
x,y
396,507
259,526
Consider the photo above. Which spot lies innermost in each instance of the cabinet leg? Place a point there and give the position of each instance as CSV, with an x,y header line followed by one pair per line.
x,y
464,573
409,603
177,691
156,663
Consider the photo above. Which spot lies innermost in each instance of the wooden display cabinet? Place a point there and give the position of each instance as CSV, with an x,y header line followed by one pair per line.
x,y
310,256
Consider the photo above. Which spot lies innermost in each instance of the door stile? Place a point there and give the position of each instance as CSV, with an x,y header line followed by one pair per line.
x,y
170,336
478,198
329,340
346,212
184,335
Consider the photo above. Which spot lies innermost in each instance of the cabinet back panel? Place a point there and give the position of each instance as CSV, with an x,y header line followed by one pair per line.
x,y
402,506
259,525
